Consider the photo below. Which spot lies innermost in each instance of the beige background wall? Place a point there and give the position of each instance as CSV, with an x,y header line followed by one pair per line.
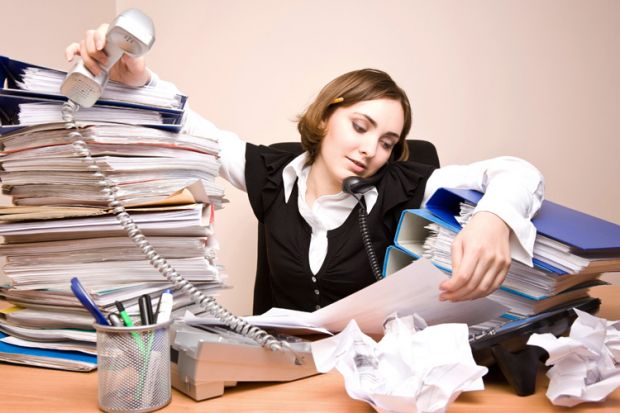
x,y
536,79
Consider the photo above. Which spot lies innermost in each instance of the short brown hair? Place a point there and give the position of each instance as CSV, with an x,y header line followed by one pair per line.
x,y
352,87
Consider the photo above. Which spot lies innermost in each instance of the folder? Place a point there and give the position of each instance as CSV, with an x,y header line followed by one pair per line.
x,y
13,71
547,278
396,259
56,359
584,234
10,102
411,232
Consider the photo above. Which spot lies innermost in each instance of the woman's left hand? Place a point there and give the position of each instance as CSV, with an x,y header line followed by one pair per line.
x,y
480,258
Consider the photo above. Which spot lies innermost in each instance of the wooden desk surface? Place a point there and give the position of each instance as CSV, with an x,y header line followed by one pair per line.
x,y
29,389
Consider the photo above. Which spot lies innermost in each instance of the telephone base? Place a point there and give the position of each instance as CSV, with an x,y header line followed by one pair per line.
x,y
197,391
204,364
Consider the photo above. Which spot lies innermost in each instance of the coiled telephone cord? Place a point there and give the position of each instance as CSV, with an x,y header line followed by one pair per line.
x,y
370,251
209,304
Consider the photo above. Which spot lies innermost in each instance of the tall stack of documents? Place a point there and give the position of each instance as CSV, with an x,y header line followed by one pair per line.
x,y
571,251
60,227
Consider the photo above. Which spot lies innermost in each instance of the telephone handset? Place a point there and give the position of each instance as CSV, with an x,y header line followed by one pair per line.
x,y
131,32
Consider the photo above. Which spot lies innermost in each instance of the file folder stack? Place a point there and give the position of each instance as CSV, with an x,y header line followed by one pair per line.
x,y
31,96
571,251
60,226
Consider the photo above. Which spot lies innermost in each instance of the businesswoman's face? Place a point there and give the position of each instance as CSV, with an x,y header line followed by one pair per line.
x,y
359,139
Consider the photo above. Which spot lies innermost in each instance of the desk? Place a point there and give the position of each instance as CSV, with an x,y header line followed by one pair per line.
x,y
28,389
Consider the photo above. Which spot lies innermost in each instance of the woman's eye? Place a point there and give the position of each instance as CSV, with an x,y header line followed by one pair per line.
x,y
387,145
358,128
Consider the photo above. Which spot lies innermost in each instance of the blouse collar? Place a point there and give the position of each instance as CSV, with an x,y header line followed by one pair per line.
x,y
298,170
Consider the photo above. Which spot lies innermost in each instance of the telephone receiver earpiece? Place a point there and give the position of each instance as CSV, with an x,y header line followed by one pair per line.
x,y
131,32
355,185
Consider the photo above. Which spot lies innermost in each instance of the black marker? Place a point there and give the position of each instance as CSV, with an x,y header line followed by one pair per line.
x,y
146,310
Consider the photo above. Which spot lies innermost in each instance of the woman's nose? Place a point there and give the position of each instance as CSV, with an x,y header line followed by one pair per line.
x,y
368,146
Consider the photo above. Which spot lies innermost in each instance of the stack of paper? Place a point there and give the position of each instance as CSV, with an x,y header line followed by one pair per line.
x,y
45,112
565,264
39,166
60,225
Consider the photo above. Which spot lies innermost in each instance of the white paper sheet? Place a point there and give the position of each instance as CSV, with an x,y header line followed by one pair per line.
x,y
414,289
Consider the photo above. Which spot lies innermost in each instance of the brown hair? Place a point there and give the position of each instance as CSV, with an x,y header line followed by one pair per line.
x,y
352,87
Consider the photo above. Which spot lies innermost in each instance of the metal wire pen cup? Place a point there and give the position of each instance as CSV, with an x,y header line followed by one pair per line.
x,y
133,367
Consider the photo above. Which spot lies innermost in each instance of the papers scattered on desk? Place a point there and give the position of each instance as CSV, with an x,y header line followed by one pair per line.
x,y
586,364
408,371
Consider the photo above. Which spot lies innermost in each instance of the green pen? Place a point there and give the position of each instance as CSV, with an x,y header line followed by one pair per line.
x,y
129,323
123,313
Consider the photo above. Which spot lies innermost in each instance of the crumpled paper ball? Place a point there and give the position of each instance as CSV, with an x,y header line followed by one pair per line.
x,y
586,364
409,370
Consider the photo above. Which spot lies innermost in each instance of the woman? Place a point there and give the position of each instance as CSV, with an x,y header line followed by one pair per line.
x,y
357,123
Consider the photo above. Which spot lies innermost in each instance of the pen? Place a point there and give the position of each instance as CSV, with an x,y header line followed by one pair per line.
x,y
87,301
121,311
164,306
146,310
115,320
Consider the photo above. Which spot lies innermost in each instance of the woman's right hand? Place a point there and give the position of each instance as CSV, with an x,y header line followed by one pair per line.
x,y
128,70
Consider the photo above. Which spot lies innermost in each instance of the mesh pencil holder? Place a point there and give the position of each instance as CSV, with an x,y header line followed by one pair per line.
x,y
133,367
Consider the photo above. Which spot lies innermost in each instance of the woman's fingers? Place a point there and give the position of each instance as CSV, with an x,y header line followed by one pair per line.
x,y
480,259
90,49
71,51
